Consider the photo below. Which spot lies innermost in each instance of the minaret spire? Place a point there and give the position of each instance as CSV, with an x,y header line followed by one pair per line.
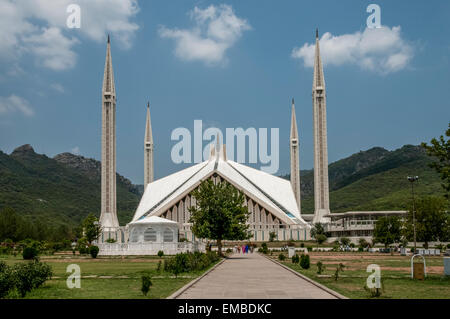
x,y
295,163
321,187
148,150
108,216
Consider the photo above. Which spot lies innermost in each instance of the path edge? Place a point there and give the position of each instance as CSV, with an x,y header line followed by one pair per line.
x,y
315,283
192,282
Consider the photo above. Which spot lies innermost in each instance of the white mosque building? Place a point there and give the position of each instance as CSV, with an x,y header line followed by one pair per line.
x,y
162,217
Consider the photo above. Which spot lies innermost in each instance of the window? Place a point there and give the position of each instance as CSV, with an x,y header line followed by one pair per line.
x,y
168,235
150,234
134,236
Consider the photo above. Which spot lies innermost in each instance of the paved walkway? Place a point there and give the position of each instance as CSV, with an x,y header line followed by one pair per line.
x,y
252,276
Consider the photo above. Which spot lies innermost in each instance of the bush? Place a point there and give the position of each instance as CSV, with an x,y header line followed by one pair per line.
x,y
309,248
186,262
291,243
29,253
160,254
295,259
264,248
448,246
281,257
272,236
302,245
31,275
360,249
304,261
320,267
229,251
7,280
158,268
146,283
111,240
93,250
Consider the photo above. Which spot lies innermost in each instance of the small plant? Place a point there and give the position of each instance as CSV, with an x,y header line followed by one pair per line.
x,y
146,283
291,243
229,251
264,248
29,253
320,267
281,257
6,279
272,236
339,268
93,250
295,259
111,240
304,261
160,254
158,268
375,292
302,245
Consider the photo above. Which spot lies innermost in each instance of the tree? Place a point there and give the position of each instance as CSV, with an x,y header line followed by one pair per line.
x,y
272,236
363,243
220,213
317,229
440,150
344,241
432,221
388,230
320,239
92,229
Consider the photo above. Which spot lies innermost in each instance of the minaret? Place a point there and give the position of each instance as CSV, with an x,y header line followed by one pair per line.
x,y
321,191
295,166
148,150
108,217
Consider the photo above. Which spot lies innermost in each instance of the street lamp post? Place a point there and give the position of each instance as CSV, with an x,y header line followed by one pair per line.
x,y
412,179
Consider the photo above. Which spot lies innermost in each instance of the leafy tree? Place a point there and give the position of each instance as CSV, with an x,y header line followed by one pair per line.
x,y
317,229
388,230
320,267
220,213
363,243
92,228
272,236
304,261
146,283
440,149
344,241
432,221
320,239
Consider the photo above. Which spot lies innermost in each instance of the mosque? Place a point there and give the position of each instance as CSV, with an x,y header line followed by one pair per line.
x,y
162,217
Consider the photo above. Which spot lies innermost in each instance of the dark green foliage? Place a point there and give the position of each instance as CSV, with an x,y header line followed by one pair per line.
x,y
375,292
31,275
111,240
146,283
57,191
295,259
320,267
321,238
7,280
302,245
187,262
220,213
432,220
344,241
363,243
92,228
291,243
272,236
158,268
281,257
305,261
387,230
339,269
160,254
264,248
29,253
93,250
439,150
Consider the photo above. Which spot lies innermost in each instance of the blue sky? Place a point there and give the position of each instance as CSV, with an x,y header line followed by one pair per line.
x,y
244,76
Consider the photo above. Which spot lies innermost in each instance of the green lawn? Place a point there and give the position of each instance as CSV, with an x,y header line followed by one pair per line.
x,y
121,278
395,273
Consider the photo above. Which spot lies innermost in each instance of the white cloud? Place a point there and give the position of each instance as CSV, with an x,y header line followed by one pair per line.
x,y
57,87
382,50
15,103
75,150
216,29
39,27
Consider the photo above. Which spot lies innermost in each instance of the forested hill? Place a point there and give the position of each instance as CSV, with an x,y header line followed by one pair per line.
x,y
66,188
374,180
60,190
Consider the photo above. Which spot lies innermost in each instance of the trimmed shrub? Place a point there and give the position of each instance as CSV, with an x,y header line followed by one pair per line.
x,y
295,259
264,248
111,240
320,267
281,257
146,283
160,254
304,261
29,253
158,268
302,245
93,250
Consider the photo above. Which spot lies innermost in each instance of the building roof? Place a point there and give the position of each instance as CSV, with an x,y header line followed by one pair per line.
x,y
365,213
153,220
273,193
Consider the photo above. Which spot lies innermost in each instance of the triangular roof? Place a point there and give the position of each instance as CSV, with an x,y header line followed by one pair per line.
x,y
154,220
273,193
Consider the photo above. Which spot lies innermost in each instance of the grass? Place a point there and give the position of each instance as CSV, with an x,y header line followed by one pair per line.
x,y
395,274
106,278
